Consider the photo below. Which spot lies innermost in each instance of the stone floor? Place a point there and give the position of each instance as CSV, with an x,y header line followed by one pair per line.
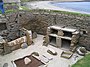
x,y
42,50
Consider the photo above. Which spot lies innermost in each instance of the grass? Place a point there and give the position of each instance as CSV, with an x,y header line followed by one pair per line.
x,y
84,62
25,8
10,11
65,12
25,0
72,13
13,10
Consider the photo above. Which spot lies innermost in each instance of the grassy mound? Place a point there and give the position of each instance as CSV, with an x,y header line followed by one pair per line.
x,y
84,62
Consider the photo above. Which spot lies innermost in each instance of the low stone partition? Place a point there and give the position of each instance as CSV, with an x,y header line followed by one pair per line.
x,y
21,42
16,44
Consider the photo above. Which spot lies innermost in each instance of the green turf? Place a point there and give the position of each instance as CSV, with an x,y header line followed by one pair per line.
x,y
84,62
64,12
25,8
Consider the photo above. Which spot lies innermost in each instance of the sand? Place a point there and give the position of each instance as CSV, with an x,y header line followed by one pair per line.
x,y
47,5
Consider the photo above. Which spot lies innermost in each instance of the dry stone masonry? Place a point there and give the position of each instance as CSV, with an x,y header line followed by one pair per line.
x,y
65,39
39,22
82,23
12,36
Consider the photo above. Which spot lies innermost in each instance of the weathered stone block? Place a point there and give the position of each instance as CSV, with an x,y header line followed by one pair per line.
x,y
27,60
60,33
34,35
24,45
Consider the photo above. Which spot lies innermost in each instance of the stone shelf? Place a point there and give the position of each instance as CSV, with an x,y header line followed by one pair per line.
x,y
67,38
62,37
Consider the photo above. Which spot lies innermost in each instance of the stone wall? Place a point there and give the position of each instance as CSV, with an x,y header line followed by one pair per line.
x,y
10,29
82,23
39,21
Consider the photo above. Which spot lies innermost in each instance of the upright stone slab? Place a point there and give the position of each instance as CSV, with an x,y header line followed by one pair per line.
x,y
7,49
48,30
34,35
74,39
27,60
58,42
46,40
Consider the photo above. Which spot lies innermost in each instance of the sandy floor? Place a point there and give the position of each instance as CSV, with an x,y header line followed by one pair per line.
x,y
42,50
